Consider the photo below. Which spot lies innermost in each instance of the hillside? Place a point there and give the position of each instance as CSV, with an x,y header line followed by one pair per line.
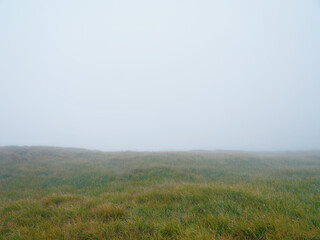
x,y
65,193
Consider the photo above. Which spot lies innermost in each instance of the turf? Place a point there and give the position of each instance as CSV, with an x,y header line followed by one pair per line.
x,y
58,193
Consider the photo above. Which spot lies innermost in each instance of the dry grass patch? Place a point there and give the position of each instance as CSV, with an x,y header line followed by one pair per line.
x,y
107,212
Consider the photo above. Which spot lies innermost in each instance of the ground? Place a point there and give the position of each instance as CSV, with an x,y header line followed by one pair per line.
x,y
60,193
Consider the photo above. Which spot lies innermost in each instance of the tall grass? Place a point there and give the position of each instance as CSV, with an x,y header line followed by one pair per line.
x,y
56,193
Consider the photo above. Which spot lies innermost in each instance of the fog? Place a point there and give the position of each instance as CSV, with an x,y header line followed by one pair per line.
x,y
160,75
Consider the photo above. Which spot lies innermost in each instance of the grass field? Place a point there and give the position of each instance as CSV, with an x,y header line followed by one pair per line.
x,y
57,193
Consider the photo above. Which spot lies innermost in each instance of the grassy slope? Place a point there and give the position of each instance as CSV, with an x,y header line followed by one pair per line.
x,y
55,193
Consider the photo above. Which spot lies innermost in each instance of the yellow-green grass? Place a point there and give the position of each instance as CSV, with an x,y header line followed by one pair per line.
x,y
56,193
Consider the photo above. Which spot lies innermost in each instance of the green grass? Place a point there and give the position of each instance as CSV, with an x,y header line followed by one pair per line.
x,y
56,193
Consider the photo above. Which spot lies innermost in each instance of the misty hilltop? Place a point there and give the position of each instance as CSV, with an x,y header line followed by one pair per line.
x,y
73,193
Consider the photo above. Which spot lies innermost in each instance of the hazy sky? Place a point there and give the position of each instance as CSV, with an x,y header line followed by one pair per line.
x,y
160,75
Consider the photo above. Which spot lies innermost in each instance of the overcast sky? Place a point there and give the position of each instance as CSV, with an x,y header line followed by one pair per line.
x,y
160,75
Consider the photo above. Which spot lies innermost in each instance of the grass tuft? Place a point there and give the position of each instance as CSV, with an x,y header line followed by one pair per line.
x,y
107,212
